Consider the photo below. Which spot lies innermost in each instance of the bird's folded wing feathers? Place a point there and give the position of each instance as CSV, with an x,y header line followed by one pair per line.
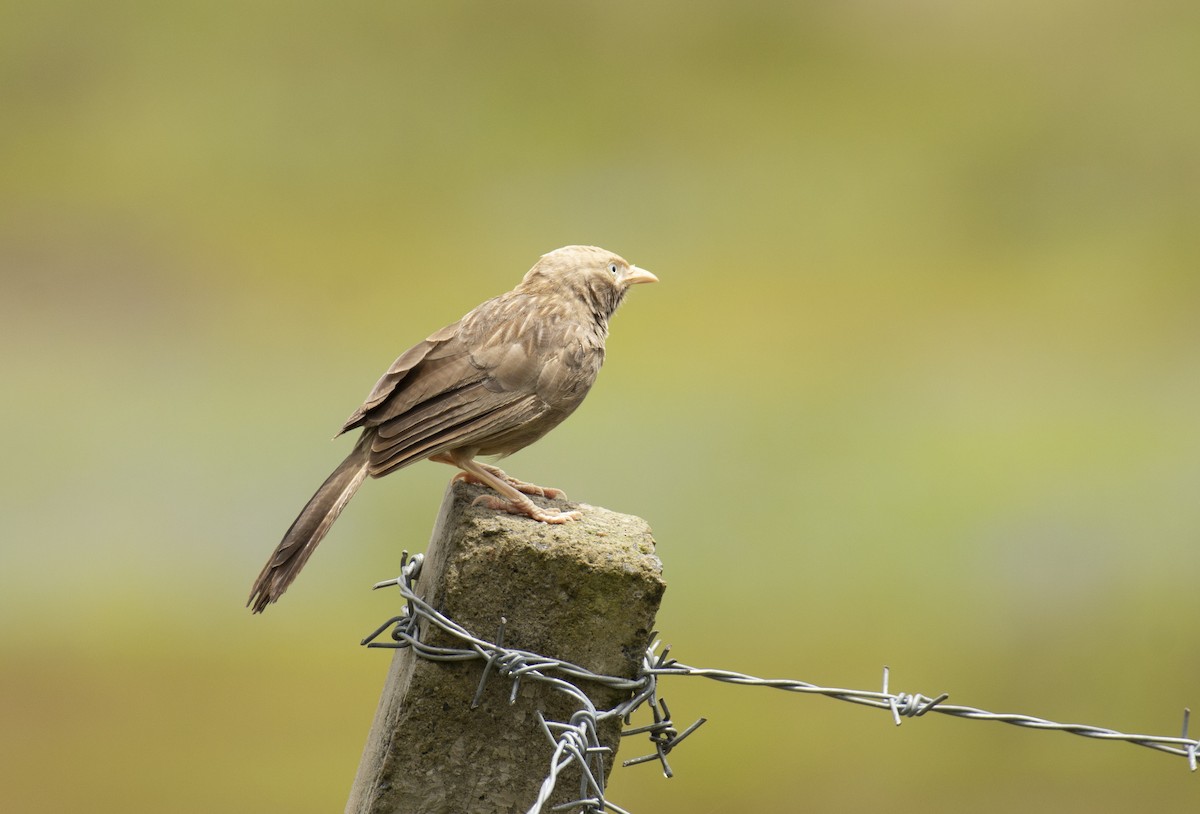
x,y
440,345
453,391
472,417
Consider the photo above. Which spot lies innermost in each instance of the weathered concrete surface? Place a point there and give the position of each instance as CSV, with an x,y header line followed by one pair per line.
x,y
585,592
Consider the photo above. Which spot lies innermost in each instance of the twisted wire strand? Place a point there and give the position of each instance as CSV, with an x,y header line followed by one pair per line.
x,y
905,705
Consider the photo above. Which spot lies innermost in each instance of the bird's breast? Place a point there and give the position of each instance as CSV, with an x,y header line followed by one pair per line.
x,y
567,374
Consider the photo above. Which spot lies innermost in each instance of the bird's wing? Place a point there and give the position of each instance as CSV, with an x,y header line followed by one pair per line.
x,y
467,384
442,346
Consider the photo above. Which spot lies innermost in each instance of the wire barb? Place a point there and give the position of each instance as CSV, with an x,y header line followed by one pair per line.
x,y
663,735
489,664
904,705
1190,745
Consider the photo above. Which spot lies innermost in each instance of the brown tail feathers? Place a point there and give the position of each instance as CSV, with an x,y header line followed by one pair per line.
x,y
310,527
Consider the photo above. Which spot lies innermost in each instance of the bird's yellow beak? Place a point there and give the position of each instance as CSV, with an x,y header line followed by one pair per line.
x,y
636,275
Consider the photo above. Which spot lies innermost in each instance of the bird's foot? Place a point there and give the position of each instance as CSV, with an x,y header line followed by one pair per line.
x,y
527,508
520,485
533,489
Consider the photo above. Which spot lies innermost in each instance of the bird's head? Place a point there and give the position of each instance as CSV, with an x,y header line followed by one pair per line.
x,y
597,276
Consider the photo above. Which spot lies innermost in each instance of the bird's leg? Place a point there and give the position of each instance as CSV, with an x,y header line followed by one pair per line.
x,y
516,503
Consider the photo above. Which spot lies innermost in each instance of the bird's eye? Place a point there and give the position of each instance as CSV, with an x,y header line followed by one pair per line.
x,y
612,267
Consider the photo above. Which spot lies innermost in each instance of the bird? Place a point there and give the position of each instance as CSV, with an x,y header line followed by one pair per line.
x,y
489,384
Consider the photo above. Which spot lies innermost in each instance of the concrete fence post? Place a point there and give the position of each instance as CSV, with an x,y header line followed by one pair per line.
x,y
585,592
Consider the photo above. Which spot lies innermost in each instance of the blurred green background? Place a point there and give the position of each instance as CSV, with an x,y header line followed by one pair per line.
x,y
920,385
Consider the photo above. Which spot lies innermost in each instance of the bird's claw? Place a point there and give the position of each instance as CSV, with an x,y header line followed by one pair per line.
x,y
541,491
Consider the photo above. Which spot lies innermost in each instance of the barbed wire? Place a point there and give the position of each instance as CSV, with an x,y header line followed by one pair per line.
x,y
576,741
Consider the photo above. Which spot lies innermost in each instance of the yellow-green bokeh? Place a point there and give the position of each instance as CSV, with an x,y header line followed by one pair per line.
x,y
920,384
